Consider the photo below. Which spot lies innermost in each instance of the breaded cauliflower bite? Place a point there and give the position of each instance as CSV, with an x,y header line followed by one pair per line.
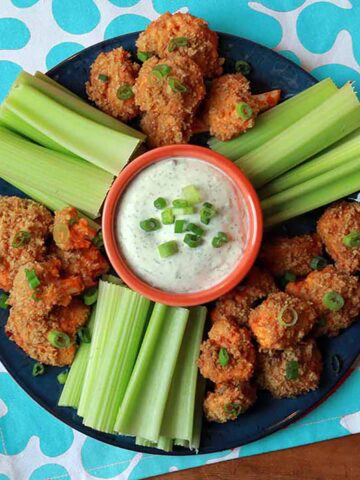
x,y
339,229
189,36
110,85
229,107
71,232
228,401
281,321
236,305
24,228
335,296
292,372
228,355
165,129
290,254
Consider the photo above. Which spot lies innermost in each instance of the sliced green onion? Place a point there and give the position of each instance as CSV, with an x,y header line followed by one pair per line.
x,y
21,238
98,240
195,229
243,110
103,78
162,70
176,86
143,56
167,216
150,225
3,301
292,370
177,42
192,194
38,369
232,408
61,233
223,357
58,339
352,240
32,278
124,92
183,211
90,295
318,263
333,301
84,335
219,240
180,203
281,317
160,203
168,249
242,67
62,377
207,212
180,226
336,363
286,278
192,241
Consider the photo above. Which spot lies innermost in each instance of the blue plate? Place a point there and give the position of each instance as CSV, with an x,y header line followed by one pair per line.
x,y
269,71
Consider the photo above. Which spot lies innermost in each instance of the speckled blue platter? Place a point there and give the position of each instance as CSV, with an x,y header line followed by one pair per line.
x,y
269,71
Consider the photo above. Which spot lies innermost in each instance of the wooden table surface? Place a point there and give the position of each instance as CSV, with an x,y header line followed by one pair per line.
x,y
333,460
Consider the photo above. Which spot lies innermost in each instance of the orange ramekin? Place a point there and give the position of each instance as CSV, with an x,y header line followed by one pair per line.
x,y
245,190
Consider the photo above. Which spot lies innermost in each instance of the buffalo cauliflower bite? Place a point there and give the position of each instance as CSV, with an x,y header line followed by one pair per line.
x,y
338,288
290,254
236,305
228,401
112,76
188,35
292,372
165,129
281,321
227,340
24,228
70,231
337,225
229,107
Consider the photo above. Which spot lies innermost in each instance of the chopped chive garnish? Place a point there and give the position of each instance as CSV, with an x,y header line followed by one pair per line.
x,y
183,211
292,370
58,339
143,56
167,216
62,377
176,86
61,233
177,42
83,335
180,226
160,71
241,66
223,357
333,301
336,363
232,408
168,249
207,212
286,278
90,295
195,229
21,238
191,194
160,203
180,203
288,316
124,92
3,301
150,224
243,110
219,240
103,78
192,241
98,240
318,263
38,369
352,240
32,279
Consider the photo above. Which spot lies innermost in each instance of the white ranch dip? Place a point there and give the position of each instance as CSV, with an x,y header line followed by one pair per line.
x,y
191,269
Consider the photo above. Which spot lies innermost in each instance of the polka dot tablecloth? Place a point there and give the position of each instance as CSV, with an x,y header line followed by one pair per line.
x,y
321,35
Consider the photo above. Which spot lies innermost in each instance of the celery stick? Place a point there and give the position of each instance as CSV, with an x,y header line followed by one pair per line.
x,y
68,99
312,194
70,179
145,443
113,279
179,414
143,407
306,137
102,146
70,396
274,121
198,415
343,151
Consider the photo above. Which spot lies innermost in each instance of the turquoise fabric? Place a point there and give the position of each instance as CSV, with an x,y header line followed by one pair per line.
x,y
323,37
